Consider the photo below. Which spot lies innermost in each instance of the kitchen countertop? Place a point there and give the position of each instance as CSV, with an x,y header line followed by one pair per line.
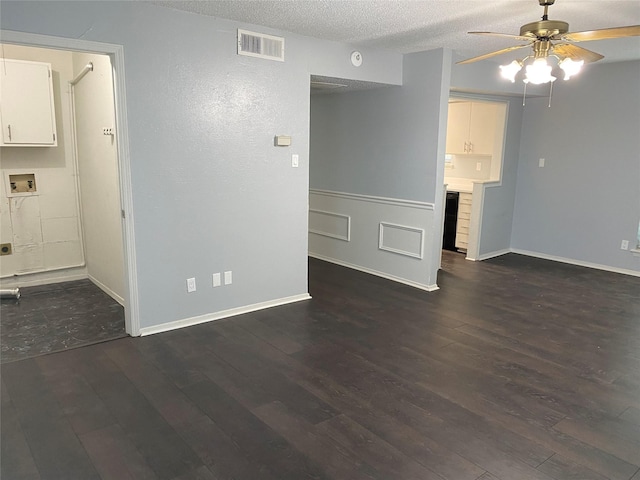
x,y
462,185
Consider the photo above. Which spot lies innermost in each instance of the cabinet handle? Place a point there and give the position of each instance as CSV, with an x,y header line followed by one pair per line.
x,y
9,126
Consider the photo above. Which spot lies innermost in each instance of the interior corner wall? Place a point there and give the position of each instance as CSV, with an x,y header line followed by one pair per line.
x,y
210,191
499,199
378,148
98,174
43,229
586,199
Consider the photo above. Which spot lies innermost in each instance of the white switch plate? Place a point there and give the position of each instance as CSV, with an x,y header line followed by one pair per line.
x,y
541,162
216,279
295,159
191,285
228,278
624,245
479,166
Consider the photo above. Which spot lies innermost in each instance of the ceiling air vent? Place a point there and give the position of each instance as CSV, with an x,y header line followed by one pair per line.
x,y
260,45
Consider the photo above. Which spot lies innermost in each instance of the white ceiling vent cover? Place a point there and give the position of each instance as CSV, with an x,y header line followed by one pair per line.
x,y
260,45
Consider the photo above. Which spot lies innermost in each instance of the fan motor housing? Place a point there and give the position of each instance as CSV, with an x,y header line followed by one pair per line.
x,y
544,29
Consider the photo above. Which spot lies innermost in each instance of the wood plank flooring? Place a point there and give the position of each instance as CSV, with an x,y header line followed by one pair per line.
x,y
516,369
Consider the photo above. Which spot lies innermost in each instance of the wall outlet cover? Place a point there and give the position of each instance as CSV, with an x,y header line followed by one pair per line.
x,y
216,280
191,285
228,277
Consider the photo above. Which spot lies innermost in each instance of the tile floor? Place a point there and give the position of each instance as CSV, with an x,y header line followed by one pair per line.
x,y
57,317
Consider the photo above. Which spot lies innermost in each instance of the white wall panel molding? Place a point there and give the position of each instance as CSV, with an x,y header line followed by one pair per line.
x,y
330,224
388,237
401,239
209,317
374,199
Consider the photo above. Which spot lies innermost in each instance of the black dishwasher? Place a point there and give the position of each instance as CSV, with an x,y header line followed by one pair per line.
x,y
450,221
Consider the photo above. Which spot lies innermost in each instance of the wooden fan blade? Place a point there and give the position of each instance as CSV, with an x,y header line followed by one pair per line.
x,y
507,35
492,54
576,53
605,33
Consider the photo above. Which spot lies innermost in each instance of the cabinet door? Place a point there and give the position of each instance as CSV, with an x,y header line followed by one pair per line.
x,y
458,127
26,103
482,128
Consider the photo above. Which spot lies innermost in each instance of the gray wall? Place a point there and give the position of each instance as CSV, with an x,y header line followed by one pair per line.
x,y
387,142
587,197
384,141
210,191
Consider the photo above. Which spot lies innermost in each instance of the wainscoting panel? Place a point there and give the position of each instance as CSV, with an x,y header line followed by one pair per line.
x,y
384,236
401,239
329,224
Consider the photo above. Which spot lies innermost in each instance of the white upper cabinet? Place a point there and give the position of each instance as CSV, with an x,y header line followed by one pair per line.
x,y
27,111
471,128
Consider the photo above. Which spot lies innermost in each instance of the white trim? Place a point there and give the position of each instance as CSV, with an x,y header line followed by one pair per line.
x,y
187,322
427,288
406,253
371,198
116,52
487,256
19,280
107,290
544,256
346,238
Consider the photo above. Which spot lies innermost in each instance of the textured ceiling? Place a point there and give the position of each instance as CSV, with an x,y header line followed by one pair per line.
x,y
409,26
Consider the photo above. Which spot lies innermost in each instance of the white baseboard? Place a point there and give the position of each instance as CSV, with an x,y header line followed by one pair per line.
x,y
107,290
427,288
44,278
497,253
580,263
187,322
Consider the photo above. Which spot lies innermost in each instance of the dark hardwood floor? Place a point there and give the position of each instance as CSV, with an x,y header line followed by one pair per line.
x,y
517,368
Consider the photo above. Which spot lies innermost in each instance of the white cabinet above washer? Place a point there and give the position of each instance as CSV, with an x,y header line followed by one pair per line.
x,y
27,110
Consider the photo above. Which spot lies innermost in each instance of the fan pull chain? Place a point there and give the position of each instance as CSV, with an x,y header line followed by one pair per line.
x,y
550,93
524,95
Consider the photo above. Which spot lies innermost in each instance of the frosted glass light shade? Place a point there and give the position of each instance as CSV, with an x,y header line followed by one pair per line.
x,y
510,71
570,67
539,72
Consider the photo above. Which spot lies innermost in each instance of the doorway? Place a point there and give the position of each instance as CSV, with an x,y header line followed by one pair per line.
x,y
101,252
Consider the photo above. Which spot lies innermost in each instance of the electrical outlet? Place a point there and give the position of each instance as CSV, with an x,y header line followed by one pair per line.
x,y
624,245
228,278
191,285
107,131
216,279
295,160
541,162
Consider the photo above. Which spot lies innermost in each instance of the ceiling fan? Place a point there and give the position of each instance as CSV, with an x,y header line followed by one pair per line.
x,y
552,38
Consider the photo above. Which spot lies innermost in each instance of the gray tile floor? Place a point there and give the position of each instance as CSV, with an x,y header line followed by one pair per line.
x,y
57,317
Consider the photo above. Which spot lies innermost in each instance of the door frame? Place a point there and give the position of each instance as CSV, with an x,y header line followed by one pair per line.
x,y
116,53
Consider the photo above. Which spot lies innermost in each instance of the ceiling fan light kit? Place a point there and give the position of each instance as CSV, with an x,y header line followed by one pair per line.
x,y
541,36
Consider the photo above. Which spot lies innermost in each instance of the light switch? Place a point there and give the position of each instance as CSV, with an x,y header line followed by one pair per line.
x,y
228,278
216,279
479,166
541,163
295,160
